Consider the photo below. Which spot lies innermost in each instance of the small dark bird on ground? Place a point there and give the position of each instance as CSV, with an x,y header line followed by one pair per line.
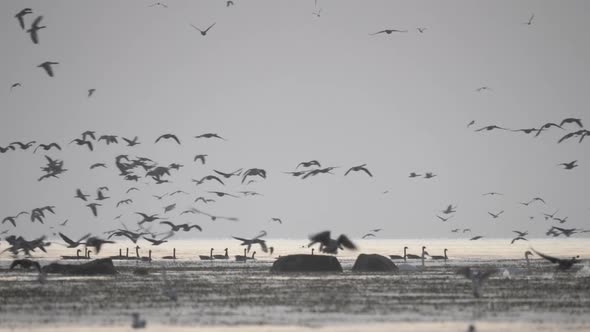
x,y
204,32
329,245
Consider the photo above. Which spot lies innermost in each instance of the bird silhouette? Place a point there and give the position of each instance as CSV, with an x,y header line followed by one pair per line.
x,y
168,136
489,128
572,120
229,175
222,194
93,166
200,157
47,66
569,166
204,32
562,264
387,31
210,135
421,29
132,142
444,219
309,164
93,208
20,16
530,21
158,4
358,169
329,245
495,215
276,220
47,147
83,142
81,195
450,209
475,237
71,243
34,28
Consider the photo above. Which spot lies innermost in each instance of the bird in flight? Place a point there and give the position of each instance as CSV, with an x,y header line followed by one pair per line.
x,y
93,208
34,28
200,157
159,4
492,194
14,85
471,123
444,219
414,175
20,16
489,128
229,175
329,245
535,199
387,31
81,195
47,147
83,142
71,243
562,264
47,67
309,164
547,126
203,32
572,120
130,142
496,215
210,135
421,29
222,194
570,165
429,175
450,209
358,169
530,21
368,235
91,92
168,136
277,220
483,88
476,238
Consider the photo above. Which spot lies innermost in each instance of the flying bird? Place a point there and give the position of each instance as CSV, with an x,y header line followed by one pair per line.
x,y
421,29
387,31
80,195
496,215
229,175
200,157
96,243
276,220
530,21
309,164
450,209
34,28
20,16
368,235
562,264
329,245
168,136
203,32
91,92
489,128
483,88
93,166
158,4
210,135
570,165
475,237
130,142
358,169
93,208
47,147
414,175
83,142
71,243
444,219
47,66
14,85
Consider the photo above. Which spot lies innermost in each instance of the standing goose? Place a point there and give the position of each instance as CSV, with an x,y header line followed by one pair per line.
x,y
207,258
398,256
526,256
411,256
73,257
441,257
226,256
243,258
173,255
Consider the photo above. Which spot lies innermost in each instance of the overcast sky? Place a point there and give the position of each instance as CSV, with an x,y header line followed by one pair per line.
x,y
284,86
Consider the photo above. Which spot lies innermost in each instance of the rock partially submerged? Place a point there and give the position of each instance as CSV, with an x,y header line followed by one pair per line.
x,y
373,263
102,266
306,263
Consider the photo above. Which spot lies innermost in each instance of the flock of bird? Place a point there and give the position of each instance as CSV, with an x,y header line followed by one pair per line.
x,y
136,169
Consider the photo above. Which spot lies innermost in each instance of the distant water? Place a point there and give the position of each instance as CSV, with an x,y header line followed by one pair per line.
x,y
458,249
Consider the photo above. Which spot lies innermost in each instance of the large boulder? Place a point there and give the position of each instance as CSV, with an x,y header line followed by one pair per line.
x,y
95,267
306,263
373,263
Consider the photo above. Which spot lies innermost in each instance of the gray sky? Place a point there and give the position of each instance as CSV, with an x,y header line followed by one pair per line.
x,y
284,86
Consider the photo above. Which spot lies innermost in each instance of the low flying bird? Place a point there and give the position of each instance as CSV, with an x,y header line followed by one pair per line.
x,y
387,31
519,233
550,216
34,28
93,166
496,215
109,139
547,126
160,197
414,175
131,189
562,264
254,172
327,170
47,147
572,120
213,217
255,240
561,220
477,277
429,175
570,165
132,142
229,175
296,174
489,128
23,146
309,164
93,208
358,169
47,66
456,230
71,243
100,196
210,135
329,245
518,238
83,142
88,133
565,231
368,235
450,209
5,149
128,234
178,192
20,16
156,242
471,123
200,157
444,219
276,220
526,131
169,208
530,21
96,243
147,218
125,201
421,29
222,194
184,227
535,199
80,195
204,32
168,136
25,264
476,238
208,178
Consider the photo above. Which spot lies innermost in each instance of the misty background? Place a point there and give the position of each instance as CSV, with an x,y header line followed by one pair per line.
x,y
284,86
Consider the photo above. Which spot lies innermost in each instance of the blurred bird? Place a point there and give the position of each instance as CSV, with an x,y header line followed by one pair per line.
x,y
329,245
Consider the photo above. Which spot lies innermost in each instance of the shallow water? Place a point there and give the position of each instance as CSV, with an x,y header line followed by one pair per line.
x,y
222,293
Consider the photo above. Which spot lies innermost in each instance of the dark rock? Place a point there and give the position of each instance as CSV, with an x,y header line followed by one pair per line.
x,y
373,263
306,263
95,267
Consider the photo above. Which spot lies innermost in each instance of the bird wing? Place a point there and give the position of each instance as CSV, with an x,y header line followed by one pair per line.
x,y
175,138
200,31
376,33
547,257
350,169
67,239
240,239
345,241
153,241
208,30
320,237
366,171
263,245
195,226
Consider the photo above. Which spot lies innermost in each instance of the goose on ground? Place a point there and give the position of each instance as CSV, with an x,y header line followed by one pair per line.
x,y
412,256
441,257
173,255
73,257
226,256
207,258
398,256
